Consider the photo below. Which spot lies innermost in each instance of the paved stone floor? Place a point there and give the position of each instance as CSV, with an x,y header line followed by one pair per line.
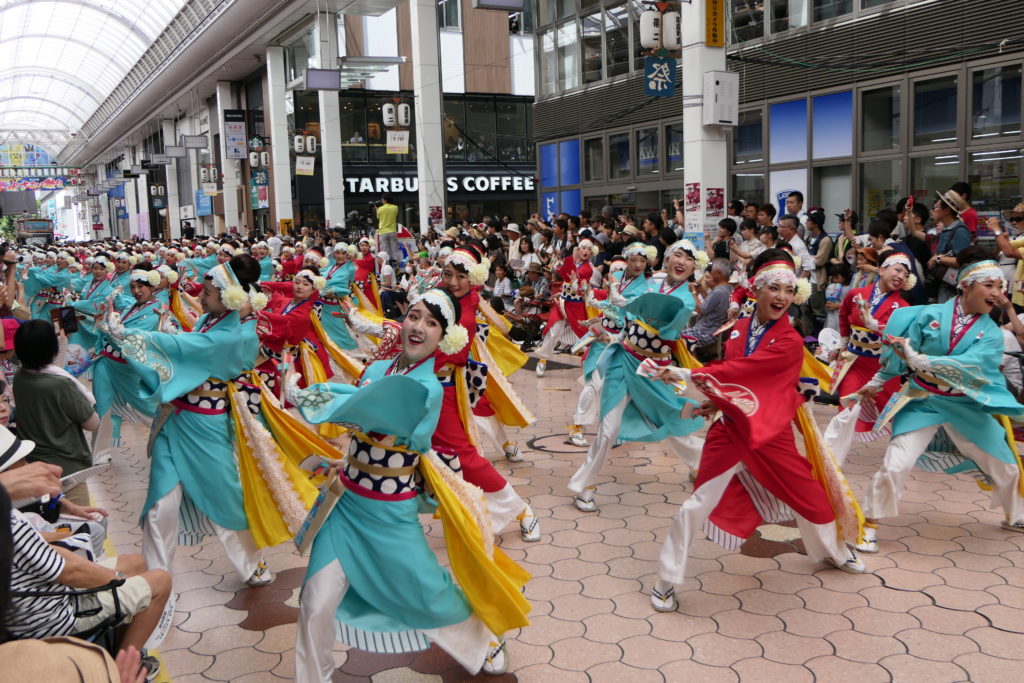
x,y
944,601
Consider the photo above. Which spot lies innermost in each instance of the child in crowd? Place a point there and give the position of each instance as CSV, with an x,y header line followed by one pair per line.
x,y
838,285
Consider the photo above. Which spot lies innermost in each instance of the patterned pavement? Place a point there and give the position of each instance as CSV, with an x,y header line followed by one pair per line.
x,y
944,601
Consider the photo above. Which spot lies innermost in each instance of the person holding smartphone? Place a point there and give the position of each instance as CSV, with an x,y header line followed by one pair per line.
x,y
1012,248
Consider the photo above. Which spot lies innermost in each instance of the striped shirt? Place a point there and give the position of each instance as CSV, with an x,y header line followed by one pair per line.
x,y
35,566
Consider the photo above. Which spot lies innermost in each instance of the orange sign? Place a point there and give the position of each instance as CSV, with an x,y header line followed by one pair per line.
x,y
714,23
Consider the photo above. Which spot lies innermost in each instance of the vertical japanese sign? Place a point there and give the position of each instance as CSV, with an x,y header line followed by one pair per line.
x,y
398,142
234,134
714,23
659,77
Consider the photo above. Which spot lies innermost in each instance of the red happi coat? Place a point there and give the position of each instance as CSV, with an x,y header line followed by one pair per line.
x,y
570,305
863,368
364,269
757,394
279,328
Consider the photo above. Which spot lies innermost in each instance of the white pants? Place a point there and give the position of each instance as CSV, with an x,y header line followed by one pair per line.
x,y
505,505
588,407
820,540
160,538
467,641
494,430
560,333
687,448
886,488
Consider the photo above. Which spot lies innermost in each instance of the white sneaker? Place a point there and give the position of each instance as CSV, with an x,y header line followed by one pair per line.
x,y
1013,526
585,501
542,365
496,662
663,597
512,452
262,576
853,564
576,436
529,526
870,543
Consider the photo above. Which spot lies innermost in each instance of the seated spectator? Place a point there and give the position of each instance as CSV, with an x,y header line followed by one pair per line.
x,y
502,286
53,406
722,245
715,308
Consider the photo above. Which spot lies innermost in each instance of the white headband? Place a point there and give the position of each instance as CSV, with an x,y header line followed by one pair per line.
x,y
455,337
147,277
980,272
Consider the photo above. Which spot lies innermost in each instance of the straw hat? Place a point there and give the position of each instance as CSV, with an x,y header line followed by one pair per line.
x,y
1015,211
953,201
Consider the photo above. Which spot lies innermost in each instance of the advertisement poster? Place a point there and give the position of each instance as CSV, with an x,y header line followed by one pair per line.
x,y
210,189
692,199
715,202
305,165
436,214
235,145
259,189
398,142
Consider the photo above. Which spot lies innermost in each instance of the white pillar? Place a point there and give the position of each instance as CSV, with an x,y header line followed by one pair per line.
x,y
704,147
330,125
229,167
280,145
171,199
426,78
130,196
102,209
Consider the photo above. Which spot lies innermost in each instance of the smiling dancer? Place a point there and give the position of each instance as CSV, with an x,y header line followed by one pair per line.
x,y
952,351
750,469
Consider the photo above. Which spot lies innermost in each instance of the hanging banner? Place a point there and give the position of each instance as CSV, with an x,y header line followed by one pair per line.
x,y
305,165
259,189
714,23
204,204
235,143
210,189
659,77
398,142
22,184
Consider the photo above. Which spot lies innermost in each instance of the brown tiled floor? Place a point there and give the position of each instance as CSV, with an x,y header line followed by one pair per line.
x,y
945,601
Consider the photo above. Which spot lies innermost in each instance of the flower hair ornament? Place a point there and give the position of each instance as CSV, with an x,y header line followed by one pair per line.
x,y
106,263
783,273
455,337
170,273
349,249
125,256
471,262
700,258
647,251
146,277
898,259
257,299
318,281
231,292
980,271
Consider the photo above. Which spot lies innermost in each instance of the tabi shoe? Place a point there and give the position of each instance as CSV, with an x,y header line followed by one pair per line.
x,y
529,526
496,662
511,449
585,501
663,597
262,576
853,564
576,436
150,665
1013,526
870,543
542,365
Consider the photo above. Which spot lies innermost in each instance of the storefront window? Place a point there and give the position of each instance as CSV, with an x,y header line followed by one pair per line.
x,y
480,130
787,131
749,187
873,3
935,173
618,155
593,159
935,111
637,7
996,179
881,185
590,26
353,127
787,14
747,19
647,151
674,148
454,120
448,13
832,189
616,36
829,9
995,106
832,125
376,133
748,147
568,56
513,128
880,119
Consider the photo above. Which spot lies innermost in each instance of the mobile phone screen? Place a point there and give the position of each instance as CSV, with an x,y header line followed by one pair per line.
x,y
68,321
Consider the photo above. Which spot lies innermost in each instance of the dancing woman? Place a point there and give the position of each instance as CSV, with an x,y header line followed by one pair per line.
x,y
750,469
338,287
373,582
631,408
952,353
566,319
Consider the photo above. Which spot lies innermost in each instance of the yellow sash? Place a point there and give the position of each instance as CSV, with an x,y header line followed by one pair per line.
x,y
349,365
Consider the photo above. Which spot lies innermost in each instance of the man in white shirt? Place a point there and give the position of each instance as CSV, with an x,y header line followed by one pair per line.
x,y
274,243
788,226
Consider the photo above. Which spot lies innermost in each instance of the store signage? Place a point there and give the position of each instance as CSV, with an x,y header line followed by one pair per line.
x,y
186,212
659,77
714,23
398,142
210,189
194,141
22,184
204,204
160,160
234,134
305,165
467,183
175,151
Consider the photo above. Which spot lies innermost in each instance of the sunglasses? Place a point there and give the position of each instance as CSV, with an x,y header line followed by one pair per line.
x,y
1016,219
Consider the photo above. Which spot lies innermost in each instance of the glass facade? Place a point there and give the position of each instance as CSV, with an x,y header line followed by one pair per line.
x,y
935,111
749,17
995,102
880,119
